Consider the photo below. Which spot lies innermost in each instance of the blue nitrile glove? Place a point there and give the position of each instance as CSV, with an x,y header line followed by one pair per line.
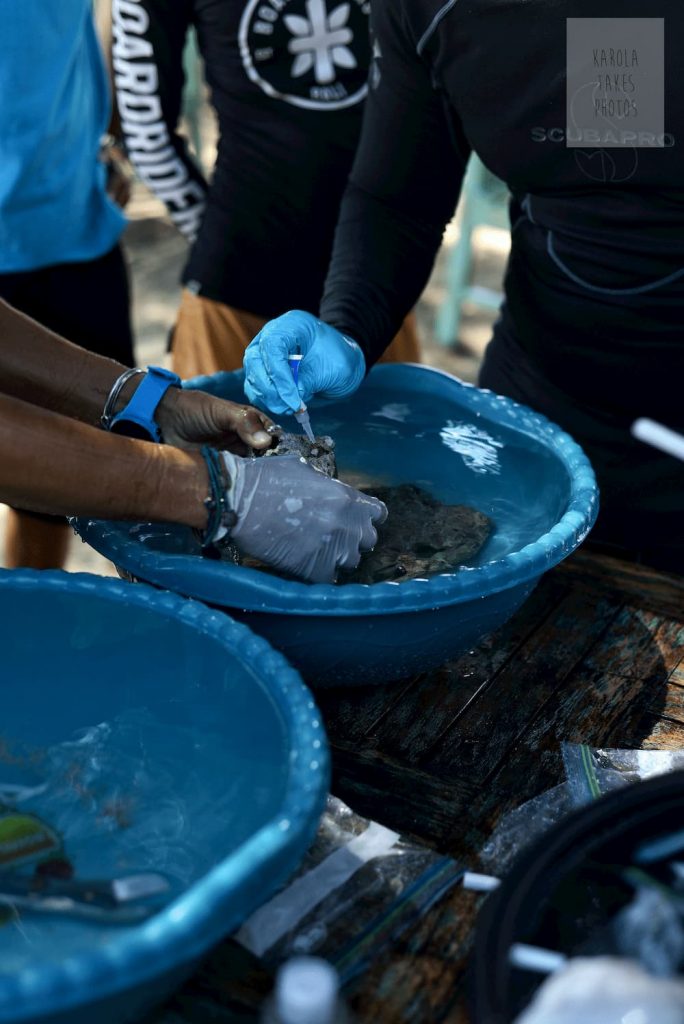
x,y
332,366
294,518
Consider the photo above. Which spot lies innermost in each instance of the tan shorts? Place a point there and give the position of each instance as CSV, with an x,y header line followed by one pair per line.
x,y
210,336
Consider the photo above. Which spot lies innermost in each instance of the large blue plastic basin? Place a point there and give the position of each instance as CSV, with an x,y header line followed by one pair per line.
x,y
202,735
405,424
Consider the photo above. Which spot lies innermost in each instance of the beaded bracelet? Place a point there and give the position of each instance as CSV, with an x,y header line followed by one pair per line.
x,y
220,516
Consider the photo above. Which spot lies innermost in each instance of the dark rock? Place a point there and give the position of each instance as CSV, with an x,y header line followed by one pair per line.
x,y
319,453
421,537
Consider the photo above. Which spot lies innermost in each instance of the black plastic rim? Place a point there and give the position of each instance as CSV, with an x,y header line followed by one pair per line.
x,y
614,826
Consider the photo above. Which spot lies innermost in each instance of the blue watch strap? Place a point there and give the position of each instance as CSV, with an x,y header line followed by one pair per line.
x,y
137,418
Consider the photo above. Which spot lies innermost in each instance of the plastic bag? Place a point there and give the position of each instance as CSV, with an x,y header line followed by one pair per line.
x,y
650,930
359,888
524,825
593,771
590,773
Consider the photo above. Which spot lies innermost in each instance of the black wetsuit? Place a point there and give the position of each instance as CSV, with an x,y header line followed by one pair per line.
x,y
592,324
288,79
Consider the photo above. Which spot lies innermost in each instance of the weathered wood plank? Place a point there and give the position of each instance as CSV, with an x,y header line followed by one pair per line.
x,y
672,706
658,591
598,708
415,723
677,674
593,711
640,643
418,984
482,735
399,797
663,734
596,655
350,713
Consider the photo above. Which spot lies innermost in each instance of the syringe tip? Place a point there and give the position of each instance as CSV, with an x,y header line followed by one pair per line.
x,y
302,418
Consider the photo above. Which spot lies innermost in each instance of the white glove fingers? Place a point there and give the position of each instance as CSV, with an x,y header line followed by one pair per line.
x,y
298,520
369,536
377,509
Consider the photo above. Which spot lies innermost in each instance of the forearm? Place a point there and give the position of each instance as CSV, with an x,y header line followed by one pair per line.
x,y
402,192
38,366
49,463
382,259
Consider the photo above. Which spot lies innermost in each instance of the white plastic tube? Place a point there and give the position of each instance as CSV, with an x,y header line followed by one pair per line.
x,y
480,883
534,958
658,436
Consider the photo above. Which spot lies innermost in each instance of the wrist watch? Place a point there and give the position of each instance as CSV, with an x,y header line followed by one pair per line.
x,y
137,418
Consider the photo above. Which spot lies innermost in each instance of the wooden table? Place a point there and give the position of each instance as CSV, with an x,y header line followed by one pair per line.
x,y
595,655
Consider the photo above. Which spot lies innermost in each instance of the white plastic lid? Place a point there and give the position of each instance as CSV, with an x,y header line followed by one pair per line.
x,y
306,991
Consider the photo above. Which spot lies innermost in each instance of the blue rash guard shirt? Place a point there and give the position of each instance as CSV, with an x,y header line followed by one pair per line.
x,y
54,109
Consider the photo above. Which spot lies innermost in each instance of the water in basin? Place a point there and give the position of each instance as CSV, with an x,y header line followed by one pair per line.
x,y
132,777
458,457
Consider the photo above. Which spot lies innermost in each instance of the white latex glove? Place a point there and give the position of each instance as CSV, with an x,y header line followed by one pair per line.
x,y
297,520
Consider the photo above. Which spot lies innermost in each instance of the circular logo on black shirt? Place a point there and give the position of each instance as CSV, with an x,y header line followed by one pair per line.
x,y
311,53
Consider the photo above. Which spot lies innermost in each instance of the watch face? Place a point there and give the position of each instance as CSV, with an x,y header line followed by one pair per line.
x,y
129,429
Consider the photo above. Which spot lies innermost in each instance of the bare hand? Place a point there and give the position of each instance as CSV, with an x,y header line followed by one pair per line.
x,y
190,419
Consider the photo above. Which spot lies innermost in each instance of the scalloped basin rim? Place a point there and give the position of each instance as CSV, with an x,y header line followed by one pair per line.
x,y
190,924
250,590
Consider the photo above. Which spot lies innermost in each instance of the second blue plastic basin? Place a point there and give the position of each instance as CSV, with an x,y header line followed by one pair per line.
x,y
152,734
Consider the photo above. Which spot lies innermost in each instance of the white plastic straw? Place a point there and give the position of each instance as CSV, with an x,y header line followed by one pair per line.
x,y
658,436
480,883
534,958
